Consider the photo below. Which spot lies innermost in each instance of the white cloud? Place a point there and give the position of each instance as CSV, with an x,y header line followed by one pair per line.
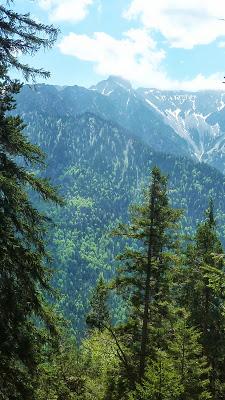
x,y
184,23
134,57
66,10
200,82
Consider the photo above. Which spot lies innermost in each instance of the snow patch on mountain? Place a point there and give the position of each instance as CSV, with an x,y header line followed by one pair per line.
x,y
179,126
187,115
195,121
154,106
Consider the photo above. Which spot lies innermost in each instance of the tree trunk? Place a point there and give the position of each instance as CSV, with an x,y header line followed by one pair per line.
x,y
147,295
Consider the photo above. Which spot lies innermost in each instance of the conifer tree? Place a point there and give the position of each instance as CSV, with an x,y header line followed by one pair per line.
x,y
26,321
161,381
143,279
204,277
23,273
98,316
179,372
191,366
58,375
20,34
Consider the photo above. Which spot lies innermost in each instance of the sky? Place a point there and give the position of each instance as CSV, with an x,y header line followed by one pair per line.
x,y
165,44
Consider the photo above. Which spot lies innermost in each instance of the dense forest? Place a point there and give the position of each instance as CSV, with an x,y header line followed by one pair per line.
x,y
112,274
101,169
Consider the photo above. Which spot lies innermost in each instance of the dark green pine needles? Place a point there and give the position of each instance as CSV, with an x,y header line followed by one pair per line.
x,y
143,278
203,295
26,323
20,34
23,273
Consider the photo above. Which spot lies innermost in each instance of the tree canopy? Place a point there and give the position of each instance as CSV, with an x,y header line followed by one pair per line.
x,y
22,35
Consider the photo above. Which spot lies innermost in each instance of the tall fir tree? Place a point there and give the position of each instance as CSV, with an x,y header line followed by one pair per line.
x,y
24,272
144,276
204,297
98,316
26,321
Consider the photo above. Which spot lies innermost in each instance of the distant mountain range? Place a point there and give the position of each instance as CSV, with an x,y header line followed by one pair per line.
x,y
100,145
177,122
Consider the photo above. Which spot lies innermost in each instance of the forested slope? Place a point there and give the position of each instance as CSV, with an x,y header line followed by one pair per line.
x,y
101,168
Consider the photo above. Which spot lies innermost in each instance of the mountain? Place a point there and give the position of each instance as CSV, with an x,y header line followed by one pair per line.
x,y
198,118
100,168
135,114
124,108
177,122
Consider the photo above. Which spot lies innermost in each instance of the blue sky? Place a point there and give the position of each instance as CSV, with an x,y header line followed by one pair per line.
x,y
172,44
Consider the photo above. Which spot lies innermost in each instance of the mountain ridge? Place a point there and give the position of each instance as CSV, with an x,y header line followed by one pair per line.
x,y
178,122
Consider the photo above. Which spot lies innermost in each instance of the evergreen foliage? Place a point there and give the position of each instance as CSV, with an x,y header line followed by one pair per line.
x,y
204,296
20,34
190,365
143,279
58,376
27,322
98,316
175,365
24,275
162,381
178,372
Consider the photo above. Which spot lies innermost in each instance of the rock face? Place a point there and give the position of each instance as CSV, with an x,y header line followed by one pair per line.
x,y
198,118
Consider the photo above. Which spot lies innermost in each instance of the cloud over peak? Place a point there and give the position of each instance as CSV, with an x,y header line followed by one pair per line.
x,y
134,57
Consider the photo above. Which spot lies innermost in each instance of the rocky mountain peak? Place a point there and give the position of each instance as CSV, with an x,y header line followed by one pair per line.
x,y
106,87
